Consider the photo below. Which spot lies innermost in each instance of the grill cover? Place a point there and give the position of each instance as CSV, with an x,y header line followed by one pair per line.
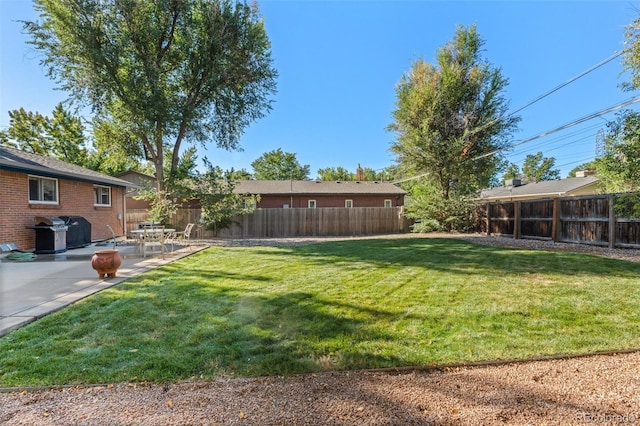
x,y
48,221
78,232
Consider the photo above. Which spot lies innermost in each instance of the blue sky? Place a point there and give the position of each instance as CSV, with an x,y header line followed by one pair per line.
x,y
339,62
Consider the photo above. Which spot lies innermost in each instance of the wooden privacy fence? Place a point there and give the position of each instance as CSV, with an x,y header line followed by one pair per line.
x,y
282,223
585,220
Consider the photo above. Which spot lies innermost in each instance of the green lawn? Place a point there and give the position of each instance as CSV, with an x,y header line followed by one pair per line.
x,y
251,311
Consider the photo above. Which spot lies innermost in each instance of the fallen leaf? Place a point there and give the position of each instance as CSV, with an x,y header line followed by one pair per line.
x,y
170,403
241,415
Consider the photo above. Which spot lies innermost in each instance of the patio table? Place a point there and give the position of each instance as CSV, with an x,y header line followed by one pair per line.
x,y
138,234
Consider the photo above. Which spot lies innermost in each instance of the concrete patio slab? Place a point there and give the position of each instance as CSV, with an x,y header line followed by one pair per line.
x,y
30,290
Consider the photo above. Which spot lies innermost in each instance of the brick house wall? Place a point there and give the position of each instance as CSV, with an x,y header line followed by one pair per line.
x,y
75,198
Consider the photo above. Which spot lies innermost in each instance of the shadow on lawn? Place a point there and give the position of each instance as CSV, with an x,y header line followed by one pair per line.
x,y
282,334
163,337
456,256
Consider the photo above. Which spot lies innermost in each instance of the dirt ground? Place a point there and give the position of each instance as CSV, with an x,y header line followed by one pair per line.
x,y
599,389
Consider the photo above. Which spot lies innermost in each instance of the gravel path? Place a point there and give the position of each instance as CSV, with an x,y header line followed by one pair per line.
x,y
597,389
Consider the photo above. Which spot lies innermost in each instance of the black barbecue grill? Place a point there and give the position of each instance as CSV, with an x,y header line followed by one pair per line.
x,y
51,235
78,231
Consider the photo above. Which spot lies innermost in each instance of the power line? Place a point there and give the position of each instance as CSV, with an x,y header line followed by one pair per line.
x,y
557,139
571,80
549,132
555,89
544,95
566,126
583,160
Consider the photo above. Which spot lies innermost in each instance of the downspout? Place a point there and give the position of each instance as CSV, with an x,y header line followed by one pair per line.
x,y
124,212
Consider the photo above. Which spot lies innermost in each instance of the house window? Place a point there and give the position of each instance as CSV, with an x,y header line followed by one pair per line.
x,y
387,203
43,190
348,203
312,204
101,196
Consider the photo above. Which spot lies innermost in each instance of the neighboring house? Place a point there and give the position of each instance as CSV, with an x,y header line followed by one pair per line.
x,y
585,184
141,180
34,185
319,194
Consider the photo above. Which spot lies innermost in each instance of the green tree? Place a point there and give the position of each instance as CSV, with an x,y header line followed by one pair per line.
x,y
619,169
170,72
512,172
370,174
451,122
115,150
335,174
341,173
537,167
451,118
27,132
432,213
61,136
241,174
279,165
215,191
591,165
67,137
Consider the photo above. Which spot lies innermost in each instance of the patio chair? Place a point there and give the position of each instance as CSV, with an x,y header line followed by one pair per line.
x,y
152,242
184,237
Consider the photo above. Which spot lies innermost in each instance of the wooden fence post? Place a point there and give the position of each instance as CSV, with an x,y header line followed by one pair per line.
x,y
488,218
612,222
555,222
516,220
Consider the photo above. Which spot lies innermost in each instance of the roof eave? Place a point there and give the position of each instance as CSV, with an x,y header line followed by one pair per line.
x,y
47,172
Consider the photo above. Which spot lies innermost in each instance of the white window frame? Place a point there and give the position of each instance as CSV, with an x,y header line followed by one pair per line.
x,y
388,203
41,200
348,204
312,204
97,197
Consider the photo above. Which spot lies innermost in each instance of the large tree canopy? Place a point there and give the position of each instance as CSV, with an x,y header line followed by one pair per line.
x,y
63,136
167,71
279,165
60,136
535,168
451,117
619,169
365,174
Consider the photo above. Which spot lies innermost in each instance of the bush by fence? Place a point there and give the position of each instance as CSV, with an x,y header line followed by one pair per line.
x,y
587,220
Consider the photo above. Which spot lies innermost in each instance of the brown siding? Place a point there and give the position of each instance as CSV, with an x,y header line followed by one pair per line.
x,y
75,199
322,201
133,204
